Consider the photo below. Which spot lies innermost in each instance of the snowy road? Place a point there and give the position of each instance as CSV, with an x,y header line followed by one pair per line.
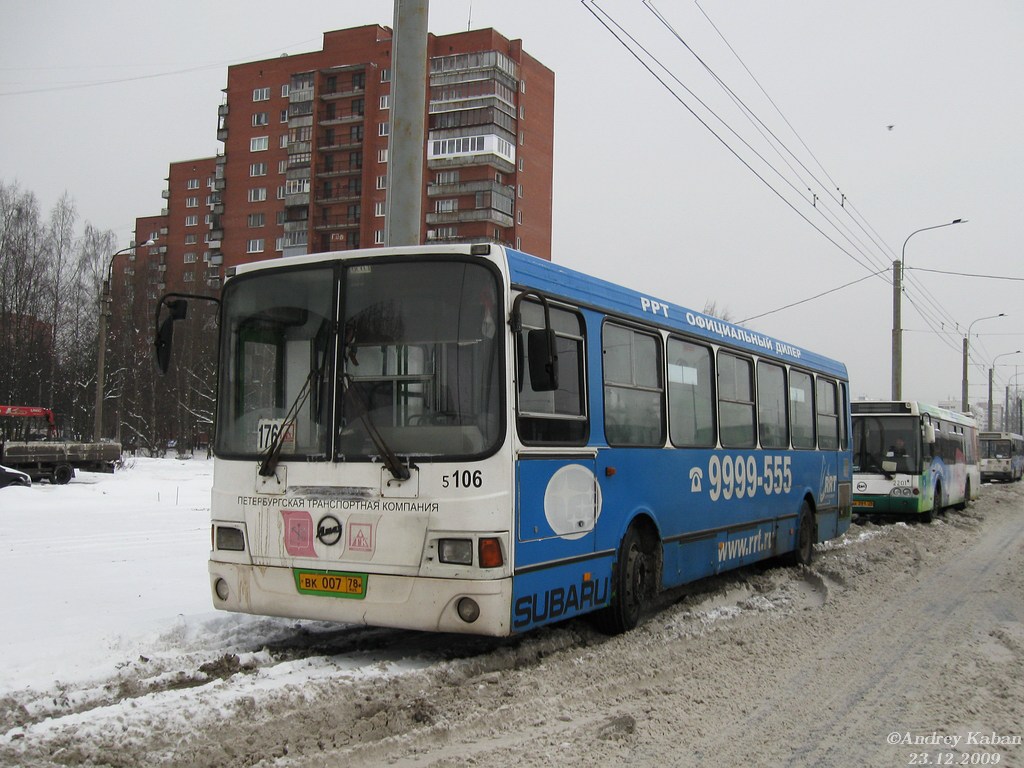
x,y
902,645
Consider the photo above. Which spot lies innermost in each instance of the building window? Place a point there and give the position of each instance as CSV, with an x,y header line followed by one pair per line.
x,y
284,141
519,191
280,192
522,112
385,75
190,257
385,101
522,138
384,129
258,169
257,219
191,221
260,118
284,115
444,178
257,194
382,182
378,237
255,246
191,202
382,155
282,166
193,184
188,276
378,210
259,143
261,94
519,217
285,90
191,239
446,206
279,244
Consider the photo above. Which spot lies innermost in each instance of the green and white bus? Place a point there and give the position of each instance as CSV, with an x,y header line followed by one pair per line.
x,y
912,459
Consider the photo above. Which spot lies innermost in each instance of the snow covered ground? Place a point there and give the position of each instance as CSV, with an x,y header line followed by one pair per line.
x,y
93,568
112,654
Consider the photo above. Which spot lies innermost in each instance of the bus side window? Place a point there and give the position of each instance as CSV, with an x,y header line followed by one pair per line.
x,y
735,401
827,415
553,416
772,412
633,412
801,409
691,395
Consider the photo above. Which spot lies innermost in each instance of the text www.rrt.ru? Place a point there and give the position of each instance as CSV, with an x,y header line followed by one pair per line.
x,y
753,544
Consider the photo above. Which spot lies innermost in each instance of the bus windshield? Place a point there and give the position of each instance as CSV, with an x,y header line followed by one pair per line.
x,y
418,368
995,449
275,358
420,360
886,438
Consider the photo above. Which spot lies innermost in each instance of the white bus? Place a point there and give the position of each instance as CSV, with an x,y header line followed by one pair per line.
x,y
1002,456
470,439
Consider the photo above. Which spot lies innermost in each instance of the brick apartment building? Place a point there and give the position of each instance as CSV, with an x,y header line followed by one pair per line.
x,y
305,161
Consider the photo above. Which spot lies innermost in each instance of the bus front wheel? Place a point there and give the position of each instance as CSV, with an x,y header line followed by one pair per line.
x,y
633,584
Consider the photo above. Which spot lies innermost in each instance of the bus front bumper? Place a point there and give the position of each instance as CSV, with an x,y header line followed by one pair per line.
x,y
402,602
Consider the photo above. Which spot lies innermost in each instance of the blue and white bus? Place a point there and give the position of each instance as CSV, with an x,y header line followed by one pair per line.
x,y
1002,456
913,459
465,438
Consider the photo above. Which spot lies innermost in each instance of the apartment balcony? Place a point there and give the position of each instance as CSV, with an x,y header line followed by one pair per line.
x,y
469,188
329,174
299,198
326,223
341,94
354,117
338,144
487,215
343,196
165,194
296,226
465,161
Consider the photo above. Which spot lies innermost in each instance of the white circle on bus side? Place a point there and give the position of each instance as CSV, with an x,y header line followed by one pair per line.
x,y
572,501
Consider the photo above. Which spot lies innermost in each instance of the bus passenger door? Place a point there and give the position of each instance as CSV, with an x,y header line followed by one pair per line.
x,y
558,501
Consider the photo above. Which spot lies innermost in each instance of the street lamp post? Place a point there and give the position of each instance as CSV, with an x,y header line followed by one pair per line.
x,y
990,372
101,341
964,405
897,327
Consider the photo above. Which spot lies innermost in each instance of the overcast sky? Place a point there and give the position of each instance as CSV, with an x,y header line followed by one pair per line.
x,y
894,116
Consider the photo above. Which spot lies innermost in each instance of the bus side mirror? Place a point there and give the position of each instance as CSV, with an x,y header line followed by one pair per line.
x,y
541,343
165,332
929,434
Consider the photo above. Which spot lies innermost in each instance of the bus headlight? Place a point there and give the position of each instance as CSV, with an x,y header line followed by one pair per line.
x,y
458,551
231,539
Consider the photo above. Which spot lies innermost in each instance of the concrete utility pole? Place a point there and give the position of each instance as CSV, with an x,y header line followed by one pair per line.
x,y
407,139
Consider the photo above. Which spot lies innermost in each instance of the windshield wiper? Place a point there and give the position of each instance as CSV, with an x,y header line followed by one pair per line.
x,y
397,469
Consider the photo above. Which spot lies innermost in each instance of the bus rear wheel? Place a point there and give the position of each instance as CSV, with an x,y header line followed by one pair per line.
x,y
804,552
633,584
